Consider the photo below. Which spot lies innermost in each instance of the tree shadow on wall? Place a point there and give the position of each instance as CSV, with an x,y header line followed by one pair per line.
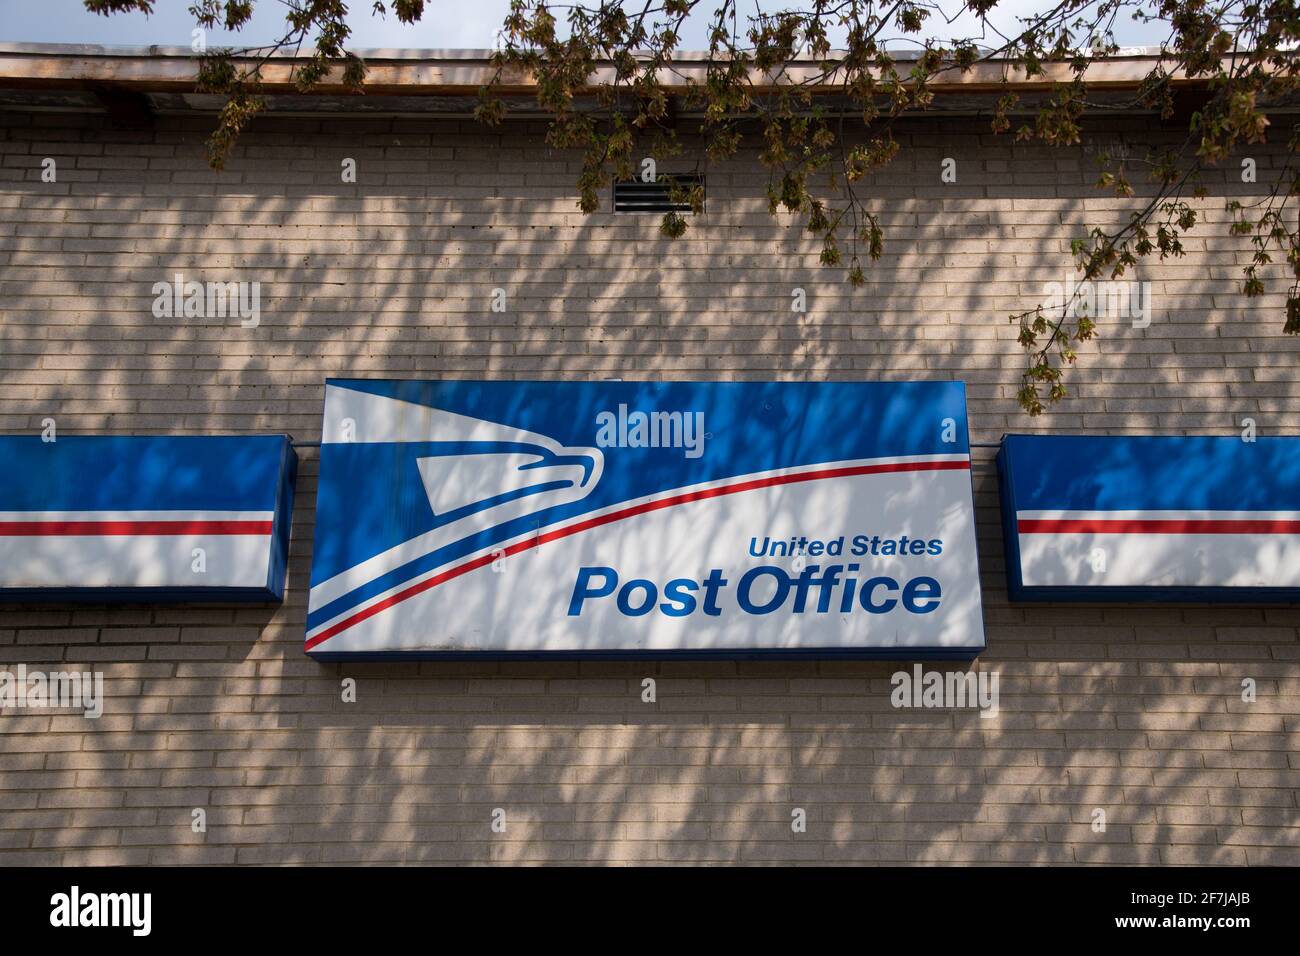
x,y
1136,712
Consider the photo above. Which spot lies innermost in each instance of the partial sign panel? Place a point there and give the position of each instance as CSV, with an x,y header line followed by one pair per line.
x,y
145,518
644,519
1151,518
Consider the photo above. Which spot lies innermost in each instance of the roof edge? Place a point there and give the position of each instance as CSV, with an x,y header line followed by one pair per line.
x,y
402,53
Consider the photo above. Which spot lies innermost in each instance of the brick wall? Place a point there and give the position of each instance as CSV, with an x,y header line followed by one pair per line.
x,y
1134,710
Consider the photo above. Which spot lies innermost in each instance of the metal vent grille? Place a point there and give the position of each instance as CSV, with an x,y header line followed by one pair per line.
x,y
636,196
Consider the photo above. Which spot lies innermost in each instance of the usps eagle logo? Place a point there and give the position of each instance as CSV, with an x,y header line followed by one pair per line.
x,y
477,476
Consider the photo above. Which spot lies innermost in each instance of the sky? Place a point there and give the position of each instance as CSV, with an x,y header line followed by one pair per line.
x,y
447,24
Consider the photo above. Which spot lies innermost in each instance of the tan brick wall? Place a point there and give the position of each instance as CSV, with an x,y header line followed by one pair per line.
x,y
1135,710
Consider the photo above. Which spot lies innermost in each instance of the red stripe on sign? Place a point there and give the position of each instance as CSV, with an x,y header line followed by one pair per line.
x,y
1157,526
20,529
631,512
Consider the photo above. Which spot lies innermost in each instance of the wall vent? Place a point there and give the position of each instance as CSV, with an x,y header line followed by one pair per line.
x,y
636,196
